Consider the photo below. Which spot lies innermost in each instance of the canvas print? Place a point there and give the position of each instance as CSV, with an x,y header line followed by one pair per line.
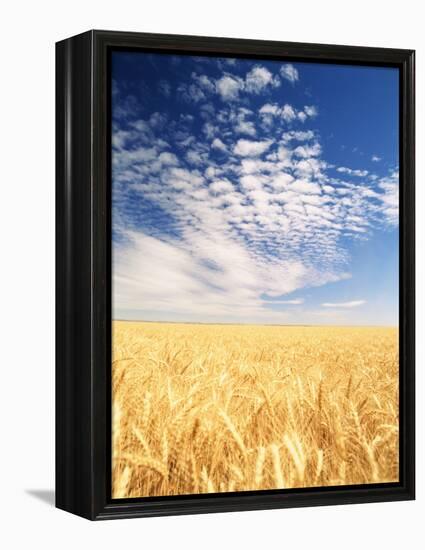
x,y
255,265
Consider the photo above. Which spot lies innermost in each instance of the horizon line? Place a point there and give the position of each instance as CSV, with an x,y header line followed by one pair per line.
x,y
249,324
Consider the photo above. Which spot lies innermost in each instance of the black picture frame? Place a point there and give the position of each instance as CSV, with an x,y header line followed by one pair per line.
x,y
83,287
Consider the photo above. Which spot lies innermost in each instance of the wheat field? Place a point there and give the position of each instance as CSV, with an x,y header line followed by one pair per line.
x,y
222,408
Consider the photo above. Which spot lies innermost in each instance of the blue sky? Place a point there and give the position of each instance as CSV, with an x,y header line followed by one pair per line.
x,y
254,191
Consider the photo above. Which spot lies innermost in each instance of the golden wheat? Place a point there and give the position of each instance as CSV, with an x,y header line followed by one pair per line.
x,y
219,408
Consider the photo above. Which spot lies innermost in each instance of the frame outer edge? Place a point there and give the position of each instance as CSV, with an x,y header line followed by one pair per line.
x,y
74,419
82,256
60,246
409,271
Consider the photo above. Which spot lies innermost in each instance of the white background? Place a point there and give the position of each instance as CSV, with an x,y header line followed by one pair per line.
x,y
28,33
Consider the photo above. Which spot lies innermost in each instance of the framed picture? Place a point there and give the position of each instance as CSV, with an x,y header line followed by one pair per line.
x,y
235,275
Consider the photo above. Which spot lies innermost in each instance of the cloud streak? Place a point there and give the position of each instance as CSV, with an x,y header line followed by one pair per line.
x,y
344,305
289,72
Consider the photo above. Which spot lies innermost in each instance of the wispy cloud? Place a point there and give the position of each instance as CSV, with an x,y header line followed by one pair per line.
x,y
294,302
298,135
289,72
353,303
209,276
164,87
351,172
389,197
287,112
229,86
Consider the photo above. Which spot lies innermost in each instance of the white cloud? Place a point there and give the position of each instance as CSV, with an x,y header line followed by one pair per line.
x,y
228,87
351,172
375,158
120,138
298,135
141,126
209,130
218,144
240,119
222,186
303,186
141,154
284,155
168,158
211,172
247,148
194,157
190,93
204,82
288,113
157,120
389,197
353,303
310,168
305,151
295,302
280,181
268,108
192,177
186,117
207,111
289,72
259,78
245,127
310,110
